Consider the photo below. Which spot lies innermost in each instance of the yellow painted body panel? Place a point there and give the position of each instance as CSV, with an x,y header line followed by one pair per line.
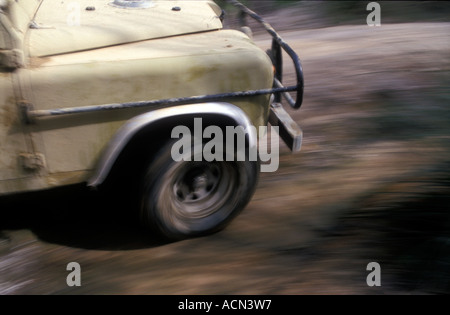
x,y
64,25
12,139
209,62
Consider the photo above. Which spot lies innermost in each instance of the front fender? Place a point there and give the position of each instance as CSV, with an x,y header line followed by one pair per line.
x,y
126,133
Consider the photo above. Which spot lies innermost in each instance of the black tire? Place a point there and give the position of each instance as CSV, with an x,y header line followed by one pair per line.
x,y
187,199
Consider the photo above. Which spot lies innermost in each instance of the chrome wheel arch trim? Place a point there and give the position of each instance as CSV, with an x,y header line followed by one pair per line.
x,y
133,126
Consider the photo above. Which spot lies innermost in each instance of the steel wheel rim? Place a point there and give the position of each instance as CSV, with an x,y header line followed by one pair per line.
x,y
215,185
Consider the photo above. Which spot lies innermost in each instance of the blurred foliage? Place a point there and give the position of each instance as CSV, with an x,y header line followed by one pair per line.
x,y
391,11
331,13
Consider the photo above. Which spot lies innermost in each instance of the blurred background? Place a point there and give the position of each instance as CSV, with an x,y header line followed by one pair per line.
x,y
371,184
319,14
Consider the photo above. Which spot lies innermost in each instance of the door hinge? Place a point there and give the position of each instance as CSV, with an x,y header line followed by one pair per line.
x,y
12,59
32,162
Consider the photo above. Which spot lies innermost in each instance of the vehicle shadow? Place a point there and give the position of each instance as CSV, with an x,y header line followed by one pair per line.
x,y
76,217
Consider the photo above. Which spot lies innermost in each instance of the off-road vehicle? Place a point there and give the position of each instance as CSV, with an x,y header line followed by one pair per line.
x,y
91,90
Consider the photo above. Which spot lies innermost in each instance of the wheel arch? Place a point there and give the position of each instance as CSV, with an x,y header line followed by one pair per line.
x,y
155,128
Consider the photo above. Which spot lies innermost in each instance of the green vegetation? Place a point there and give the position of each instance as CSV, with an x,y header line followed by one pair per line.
x,y
313,14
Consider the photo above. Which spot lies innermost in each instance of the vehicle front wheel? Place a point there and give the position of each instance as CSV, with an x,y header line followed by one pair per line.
x,y
193,198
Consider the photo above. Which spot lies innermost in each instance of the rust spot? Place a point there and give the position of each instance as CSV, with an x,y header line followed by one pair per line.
x,y
8,113
36,62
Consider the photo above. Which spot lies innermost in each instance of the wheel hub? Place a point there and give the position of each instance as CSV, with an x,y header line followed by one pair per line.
x,y
197,183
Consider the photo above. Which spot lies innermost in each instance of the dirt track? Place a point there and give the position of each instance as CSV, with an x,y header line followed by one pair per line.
x,y
371,184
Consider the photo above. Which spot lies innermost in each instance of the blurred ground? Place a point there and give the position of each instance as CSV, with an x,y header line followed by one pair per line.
x,y
371,184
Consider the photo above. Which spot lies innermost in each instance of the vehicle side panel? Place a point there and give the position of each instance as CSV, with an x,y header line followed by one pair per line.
x,y
12,140
198,64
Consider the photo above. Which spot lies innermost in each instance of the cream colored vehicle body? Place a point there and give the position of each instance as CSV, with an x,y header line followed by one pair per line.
x,y
54,57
